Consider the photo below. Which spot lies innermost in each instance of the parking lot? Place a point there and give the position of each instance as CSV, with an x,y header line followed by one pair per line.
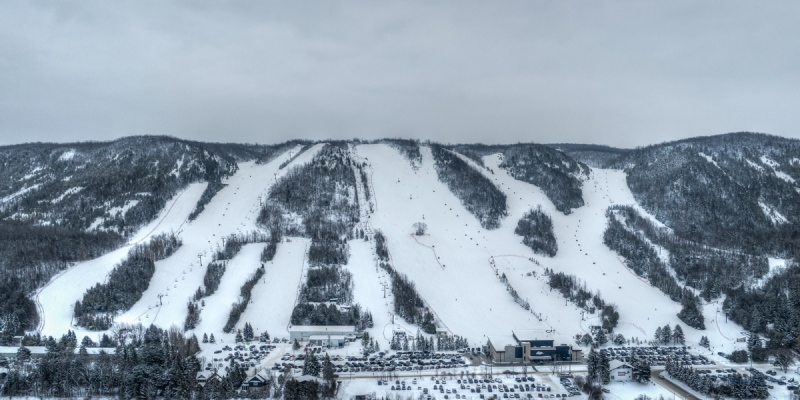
x,y
506,387
380,362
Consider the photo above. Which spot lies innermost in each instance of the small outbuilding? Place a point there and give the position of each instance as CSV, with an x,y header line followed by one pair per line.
x,y
620,371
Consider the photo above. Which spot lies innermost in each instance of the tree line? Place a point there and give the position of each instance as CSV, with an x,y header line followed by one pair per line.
x,y
159,363
125,283
407,302
573,289
645,262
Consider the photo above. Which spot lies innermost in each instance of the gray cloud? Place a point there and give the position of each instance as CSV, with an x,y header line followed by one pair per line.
x,y
618,73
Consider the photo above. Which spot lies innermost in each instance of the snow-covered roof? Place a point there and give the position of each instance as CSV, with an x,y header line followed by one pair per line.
x,y
323,328
40,350
306,378
326,337
525,335
501,341
614,364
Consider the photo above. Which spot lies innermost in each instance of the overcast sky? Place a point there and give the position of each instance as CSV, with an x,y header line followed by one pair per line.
x,y
624,73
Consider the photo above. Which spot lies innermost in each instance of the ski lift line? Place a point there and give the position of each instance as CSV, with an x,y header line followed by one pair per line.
x,y
299,285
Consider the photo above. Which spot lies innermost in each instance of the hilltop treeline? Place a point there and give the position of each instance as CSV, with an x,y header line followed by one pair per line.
x,y
125,283
729,191
558,175
476,192
409,149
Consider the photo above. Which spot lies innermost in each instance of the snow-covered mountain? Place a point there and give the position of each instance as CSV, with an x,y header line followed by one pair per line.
x,y
473,240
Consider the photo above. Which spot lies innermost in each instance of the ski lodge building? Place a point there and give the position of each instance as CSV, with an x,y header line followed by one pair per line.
x,y
525,346
321,335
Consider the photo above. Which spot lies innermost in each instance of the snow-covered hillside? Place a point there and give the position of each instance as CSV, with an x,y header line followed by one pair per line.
x,y
234,209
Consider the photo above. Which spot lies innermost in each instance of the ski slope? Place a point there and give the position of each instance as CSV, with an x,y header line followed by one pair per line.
x,y
456,264
214,314
642,308
275,295
234,209
373,290
56,299
450,265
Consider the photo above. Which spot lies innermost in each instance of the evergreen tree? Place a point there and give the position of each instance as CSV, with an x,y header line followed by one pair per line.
x,y
604,368
619,340
704,342
23,354
296,345
239,337
592,365
311,365
601,338
586,340
211,339
641,368
365,340
328,376
658,335
677,335
666,334
205,337
248,332
264,337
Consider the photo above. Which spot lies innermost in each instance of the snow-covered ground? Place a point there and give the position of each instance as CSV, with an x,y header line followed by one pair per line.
x,y
371,284
455,266
275,295
217,306
451,265
233,210
57,298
